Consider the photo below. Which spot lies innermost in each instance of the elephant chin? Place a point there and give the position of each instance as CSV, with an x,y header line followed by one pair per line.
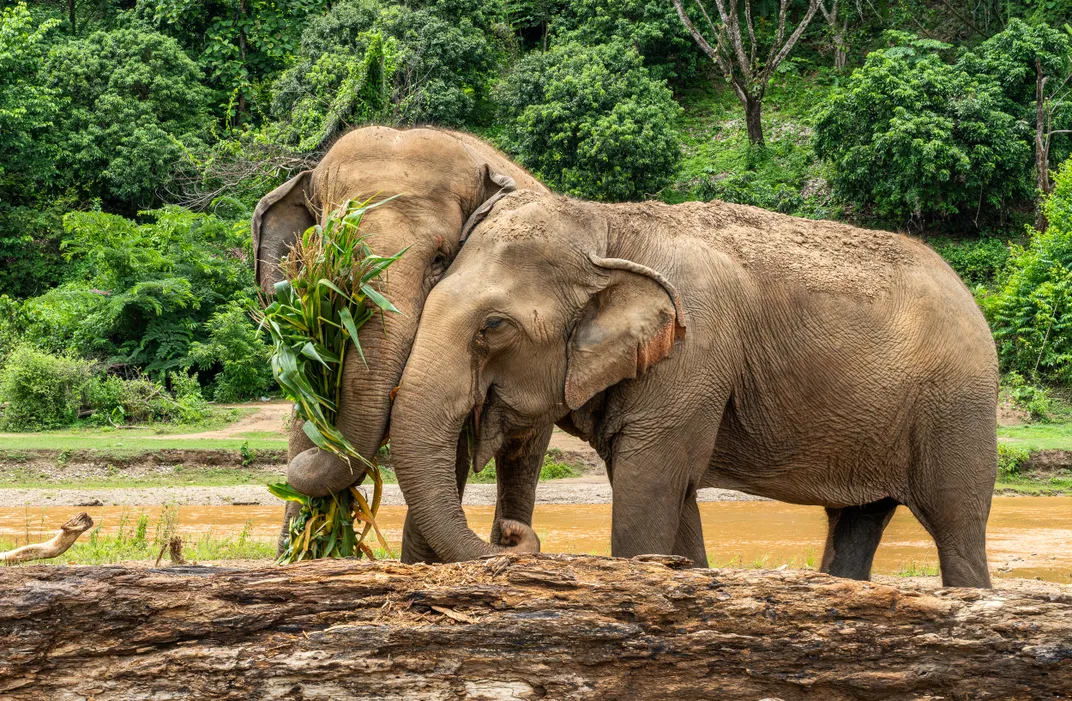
x,y
316,473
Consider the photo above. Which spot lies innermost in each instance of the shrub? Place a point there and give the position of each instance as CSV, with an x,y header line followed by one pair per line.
x,y
749,188
1011,460
976,261
916,138
1036,401
553,469
592,122
652,26
120,401
1031,312
141,294
41,390
238,354
363,61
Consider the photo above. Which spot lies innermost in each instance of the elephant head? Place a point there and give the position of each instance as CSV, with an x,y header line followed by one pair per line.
x,y
540,313
445,181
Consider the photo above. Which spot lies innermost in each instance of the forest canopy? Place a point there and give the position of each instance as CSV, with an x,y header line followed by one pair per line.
x,y
137,135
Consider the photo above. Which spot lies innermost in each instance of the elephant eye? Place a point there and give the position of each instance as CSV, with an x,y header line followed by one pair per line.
x,y
494,322
438,266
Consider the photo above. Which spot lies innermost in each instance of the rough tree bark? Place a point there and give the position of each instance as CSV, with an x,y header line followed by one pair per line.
x,y
520,627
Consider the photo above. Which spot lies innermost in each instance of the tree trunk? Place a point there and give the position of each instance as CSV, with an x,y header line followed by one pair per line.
x,y
753,116
1042,145
521,627
841,53
72,16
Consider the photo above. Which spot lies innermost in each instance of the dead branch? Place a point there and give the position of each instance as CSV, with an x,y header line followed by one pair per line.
x,y
64,539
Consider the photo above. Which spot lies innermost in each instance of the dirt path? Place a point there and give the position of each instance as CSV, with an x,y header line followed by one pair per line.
x,y
269,418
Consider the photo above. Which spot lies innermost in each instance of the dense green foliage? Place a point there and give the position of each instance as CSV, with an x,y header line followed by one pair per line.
x,y
43,391
592,122
136,136
915,137
1031,311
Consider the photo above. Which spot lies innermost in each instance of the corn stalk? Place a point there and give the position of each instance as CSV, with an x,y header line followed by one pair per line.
x,y
327,294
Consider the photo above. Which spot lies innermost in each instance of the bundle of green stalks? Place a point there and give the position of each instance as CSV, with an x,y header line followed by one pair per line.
x,y
326,296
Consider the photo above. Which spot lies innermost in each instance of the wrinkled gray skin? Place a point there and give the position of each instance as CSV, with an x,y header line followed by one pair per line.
x,y
709,345
443,178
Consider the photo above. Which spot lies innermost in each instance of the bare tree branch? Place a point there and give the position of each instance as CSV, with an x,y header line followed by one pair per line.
x,y
59,544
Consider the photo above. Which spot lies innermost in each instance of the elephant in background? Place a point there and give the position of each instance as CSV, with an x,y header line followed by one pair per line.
x,y
702,345
446,181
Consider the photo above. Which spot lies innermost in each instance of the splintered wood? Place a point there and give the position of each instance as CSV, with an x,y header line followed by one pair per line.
x,y
520,627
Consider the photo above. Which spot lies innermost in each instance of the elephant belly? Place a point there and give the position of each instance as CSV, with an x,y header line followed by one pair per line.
x,y
824,480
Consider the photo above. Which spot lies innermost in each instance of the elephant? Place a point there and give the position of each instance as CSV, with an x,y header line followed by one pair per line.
x,y
444,180
709,345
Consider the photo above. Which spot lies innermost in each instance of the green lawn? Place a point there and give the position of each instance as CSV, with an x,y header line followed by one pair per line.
x,y
128,442
1038,436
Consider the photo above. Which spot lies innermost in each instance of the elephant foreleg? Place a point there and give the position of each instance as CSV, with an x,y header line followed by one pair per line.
x,y
689,541
517,469
655,472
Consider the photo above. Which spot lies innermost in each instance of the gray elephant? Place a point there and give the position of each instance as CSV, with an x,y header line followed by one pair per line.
x,y
445,179
704,345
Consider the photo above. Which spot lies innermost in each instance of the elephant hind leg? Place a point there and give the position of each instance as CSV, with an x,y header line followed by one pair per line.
x,y
853,536
950,487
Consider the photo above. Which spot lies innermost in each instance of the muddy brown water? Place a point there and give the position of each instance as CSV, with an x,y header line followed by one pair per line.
x,y
1027,536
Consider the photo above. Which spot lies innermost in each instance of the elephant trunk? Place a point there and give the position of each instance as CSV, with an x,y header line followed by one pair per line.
x,y
365,402
430,411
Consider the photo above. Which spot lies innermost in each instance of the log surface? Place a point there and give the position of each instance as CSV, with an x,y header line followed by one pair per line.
x,y
520,627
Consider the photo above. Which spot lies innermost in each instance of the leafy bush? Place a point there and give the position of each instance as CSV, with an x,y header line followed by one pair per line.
x,y
652,26
1031,312
1011,460
42,391
28,108
592,122
554,469
363,61
237,352
142,294
749,188
1036,401
133,103
122,401
916,138
976,261
240,46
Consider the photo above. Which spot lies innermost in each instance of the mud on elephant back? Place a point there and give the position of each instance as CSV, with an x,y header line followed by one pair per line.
x,y
446,181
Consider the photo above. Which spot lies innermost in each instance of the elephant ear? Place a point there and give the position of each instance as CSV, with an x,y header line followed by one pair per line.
x,y
628,326
494,187
280,216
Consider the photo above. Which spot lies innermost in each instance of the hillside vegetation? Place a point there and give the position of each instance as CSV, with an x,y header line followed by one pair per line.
x,y
136,137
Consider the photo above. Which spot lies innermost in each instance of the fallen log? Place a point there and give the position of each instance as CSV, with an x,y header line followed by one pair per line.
x,y
56,546
535,626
